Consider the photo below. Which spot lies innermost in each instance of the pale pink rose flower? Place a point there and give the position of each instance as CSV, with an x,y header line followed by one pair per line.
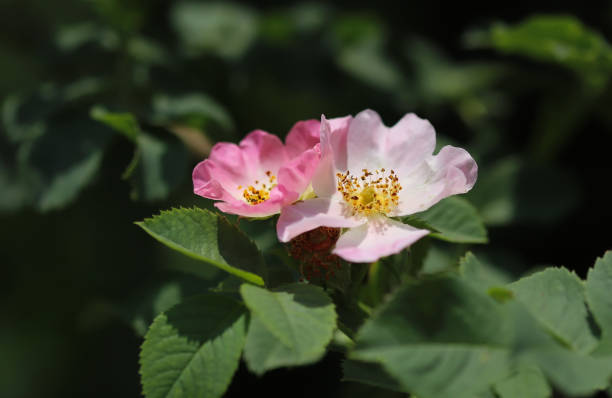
x,y
370,173
260,175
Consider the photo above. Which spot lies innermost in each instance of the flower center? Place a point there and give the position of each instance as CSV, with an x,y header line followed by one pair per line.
x,y
260,191
371,193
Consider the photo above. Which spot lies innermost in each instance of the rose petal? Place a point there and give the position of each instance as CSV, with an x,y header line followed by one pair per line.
x,y
409,143
337,132
267,208
212,189
452,171
313,213
304,135
232,165
365,142
461,169
262,152
372,145
333,154
225,165
378,238
296,175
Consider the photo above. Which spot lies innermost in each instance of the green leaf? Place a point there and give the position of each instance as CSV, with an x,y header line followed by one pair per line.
x,y
571,372
560,39
479,275
369,373
162,165
147,51
485,278
194,110
441,257
500,294
438,338
126,17
370,65
160,161
146,302
27,117
22,117
447,337
526,382
66,159
209,237
358,42
159,300
555,297
440,80
224,29
290,326
553,304
72,37
15,191
125,122
282,27
193,349
391,271
455,220
598,288
354,29
351,314
56,151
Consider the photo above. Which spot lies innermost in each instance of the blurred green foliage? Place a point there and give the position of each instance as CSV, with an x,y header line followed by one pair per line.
x,y
563,40
97,92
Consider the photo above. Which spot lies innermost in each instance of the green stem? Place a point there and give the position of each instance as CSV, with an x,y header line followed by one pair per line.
x,y
358,274
346,330
364,307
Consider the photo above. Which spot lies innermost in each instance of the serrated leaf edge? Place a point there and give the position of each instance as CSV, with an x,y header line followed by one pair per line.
x,y
246,275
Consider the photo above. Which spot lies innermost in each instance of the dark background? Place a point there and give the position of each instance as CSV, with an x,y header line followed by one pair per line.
x,y
76,276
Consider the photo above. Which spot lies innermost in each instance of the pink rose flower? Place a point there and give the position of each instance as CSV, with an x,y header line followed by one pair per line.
x,y
368,174
260,175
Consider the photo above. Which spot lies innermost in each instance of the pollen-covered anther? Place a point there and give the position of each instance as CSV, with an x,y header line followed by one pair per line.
x,y
374,192
260,191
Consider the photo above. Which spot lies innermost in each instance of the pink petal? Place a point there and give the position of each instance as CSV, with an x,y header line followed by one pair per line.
x,y
262,152
458,167
296,175
225,165
303,135
230,166
210,189
333,154
313,213
372,145
452,171
267,208
338,130
365,142
409,143
378,238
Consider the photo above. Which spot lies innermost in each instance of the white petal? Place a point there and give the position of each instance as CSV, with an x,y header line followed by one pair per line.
x,y
313,213
452,171
378,238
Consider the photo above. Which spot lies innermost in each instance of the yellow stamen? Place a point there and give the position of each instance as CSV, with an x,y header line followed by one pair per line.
x,y
256,194
374,192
